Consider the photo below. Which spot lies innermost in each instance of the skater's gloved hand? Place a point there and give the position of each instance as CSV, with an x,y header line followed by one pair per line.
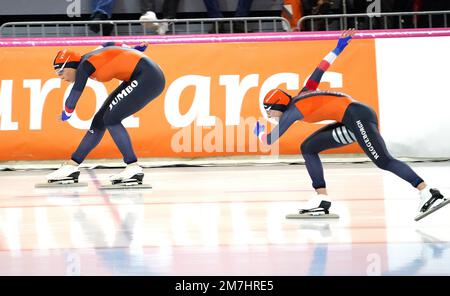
x,y
66,114
260,132
141,47
259,129
344,40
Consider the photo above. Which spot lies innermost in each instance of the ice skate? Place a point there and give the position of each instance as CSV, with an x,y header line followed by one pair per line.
x,y
131,177
317,208
66,176
431,200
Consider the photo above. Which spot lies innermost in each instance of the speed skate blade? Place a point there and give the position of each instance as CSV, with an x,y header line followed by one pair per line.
x,y
60,185
310,216
125,186
432,210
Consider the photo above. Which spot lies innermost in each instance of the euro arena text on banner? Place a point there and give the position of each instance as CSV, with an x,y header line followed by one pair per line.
x,y
209,107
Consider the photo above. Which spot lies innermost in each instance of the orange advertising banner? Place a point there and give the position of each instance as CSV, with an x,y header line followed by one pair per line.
x,y
208,108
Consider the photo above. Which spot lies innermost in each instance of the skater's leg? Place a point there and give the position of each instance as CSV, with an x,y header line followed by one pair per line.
x,y
96,131
123,142
90,141
71,167
146,83
374,146
362,121
331,136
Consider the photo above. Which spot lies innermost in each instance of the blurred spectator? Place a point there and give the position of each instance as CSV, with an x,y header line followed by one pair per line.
x,y
242,10
101,11
307,7
323,7
292,11
169,11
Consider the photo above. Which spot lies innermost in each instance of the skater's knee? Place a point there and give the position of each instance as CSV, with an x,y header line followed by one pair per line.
x,y
384,163
97,124
308,147
97,128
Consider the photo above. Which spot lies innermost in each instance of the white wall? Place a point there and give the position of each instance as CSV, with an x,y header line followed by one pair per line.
x,y
414,95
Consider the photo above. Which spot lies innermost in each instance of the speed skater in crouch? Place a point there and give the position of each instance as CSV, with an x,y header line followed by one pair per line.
x,y
355,122
143,81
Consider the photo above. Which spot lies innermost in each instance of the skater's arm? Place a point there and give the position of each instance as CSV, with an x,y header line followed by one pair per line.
x,y
290,116
315,78
140,47
111,43
84,70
